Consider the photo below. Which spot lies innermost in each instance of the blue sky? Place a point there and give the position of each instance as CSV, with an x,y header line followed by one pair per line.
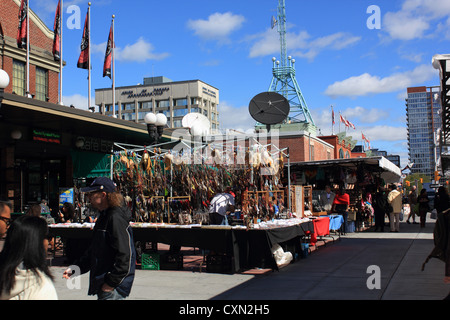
x,y
229,44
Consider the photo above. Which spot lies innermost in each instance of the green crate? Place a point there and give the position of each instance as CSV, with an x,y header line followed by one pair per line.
x,y
150,261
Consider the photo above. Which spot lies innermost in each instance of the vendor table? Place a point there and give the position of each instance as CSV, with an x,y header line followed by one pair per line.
x,y
249,248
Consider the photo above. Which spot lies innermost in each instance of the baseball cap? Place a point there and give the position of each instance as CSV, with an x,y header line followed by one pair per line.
x,y
101,184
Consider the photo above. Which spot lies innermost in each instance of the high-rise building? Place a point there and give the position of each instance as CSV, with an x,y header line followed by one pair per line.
x,y
423,111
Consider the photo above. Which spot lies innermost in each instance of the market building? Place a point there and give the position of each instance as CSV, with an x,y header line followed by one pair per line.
x,y
161,95
43,69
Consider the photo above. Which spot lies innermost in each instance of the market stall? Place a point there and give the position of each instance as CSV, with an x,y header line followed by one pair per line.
x,y
360,177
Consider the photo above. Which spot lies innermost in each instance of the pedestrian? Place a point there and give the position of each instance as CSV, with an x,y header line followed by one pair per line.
x,y
424,206
395,200
340,205
442,200
412,201
379,205
111,258
5,221
24,272
221,203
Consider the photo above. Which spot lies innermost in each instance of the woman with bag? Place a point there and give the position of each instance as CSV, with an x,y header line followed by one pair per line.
x,y
424,206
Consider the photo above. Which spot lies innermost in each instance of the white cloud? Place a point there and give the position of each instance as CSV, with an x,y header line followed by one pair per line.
x,y
367,84
385,133
218,26
237,118
140,51
78,101
300,44
417,19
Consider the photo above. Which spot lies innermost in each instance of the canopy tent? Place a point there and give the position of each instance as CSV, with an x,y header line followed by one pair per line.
x,y
379,166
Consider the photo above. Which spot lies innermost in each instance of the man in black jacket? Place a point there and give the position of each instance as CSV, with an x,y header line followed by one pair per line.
x,y
111,258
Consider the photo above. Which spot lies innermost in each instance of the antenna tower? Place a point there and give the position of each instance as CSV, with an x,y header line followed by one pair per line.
x,y
284,81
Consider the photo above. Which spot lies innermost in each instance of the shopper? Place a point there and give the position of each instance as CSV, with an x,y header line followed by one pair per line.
x,y
412,201
380,205
67,213
424,206
442,200
340,205
326,199
111,258
395,200
220,204
24,272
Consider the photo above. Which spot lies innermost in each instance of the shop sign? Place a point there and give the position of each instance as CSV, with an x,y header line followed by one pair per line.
x,y
96,145
65,195
46,136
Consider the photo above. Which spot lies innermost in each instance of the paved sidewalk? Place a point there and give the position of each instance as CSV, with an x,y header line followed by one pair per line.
x,y
337,271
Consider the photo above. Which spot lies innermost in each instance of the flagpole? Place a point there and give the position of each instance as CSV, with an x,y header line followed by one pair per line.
x,y
61,54
113,68
28,49
89,55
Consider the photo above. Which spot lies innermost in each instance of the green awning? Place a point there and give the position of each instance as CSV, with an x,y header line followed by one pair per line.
x,y
90,164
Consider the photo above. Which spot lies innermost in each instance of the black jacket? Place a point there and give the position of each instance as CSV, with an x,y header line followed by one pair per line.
x,y
111,258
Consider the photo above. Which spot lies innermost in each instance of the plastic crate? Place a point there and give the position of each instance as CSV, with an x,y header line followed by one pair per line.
x,y
171,261
219,263
150,261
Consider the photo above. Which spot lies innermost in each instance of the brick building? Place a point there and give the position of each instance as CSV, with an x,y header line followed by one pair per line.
x,y
44,70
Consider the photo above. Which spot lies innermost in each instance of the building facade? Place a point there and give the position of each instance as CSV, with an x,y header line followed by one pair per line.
x,y
44,70
423,110
161,95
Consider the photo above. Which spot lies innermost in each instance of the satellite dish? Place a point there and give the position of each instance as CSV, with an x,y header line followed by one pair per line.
x,y
269,108
197,123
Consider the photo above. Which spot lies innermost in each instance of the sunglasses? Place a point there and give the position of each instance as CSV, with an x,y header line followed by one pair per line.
x,y
6,220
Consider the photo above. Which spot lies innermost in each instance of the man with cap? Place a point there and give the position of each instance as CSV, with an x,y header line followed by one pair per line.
x,y
111,258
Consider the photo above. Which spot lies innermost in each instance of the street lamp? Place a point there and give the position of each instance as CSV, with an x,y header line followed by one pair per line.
x,y
155,125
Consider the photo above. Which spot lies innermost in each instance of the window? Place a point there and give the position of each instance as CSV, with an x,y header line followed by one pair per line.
x,y
148,105
19,77
180,112
41,84
163,104
180,102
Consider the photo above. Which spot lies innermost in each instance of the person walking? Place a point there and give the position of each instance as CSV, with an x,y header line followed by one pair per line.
x,y
24,272
412,201
424,206
111,259
395,200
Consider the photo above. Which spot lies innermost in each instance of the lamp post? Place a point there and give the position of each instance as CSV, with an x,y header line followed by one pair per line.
x,y
155,126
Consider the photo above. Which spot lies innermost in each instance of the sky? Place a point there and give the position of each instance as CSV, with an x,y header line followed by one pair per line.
x,y
355,55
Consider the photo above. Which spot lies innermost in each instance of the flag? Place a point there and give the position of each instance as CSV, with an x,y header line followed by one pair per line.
x,y
363,137
351,125
332,116
22,30
108,55
83,60
341,119
57,33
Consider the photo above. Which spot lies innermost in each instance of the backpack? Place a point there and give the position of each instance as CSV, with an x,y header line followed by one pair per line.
x,y
441,238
